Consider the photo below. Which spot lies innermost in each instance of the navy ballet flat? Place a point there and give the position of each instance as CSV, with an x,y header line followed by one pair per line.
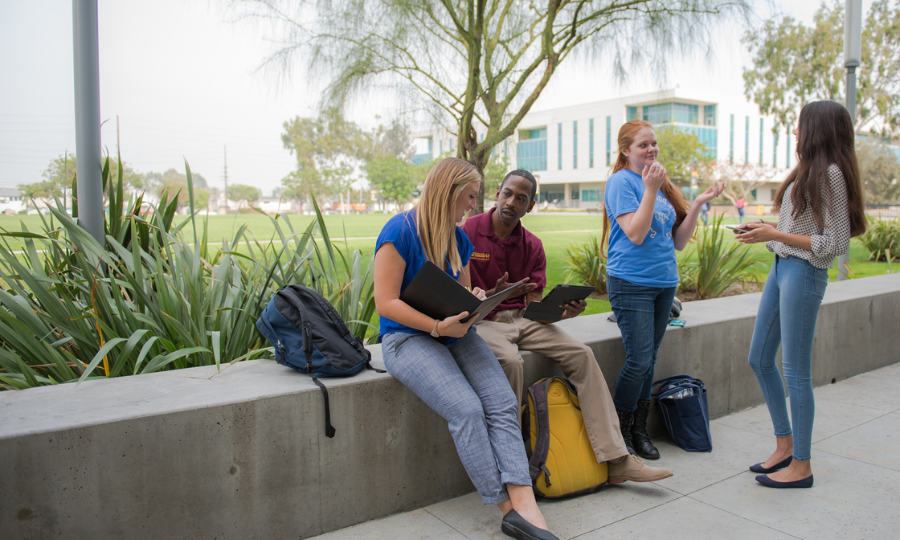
x,y
758,468
768,482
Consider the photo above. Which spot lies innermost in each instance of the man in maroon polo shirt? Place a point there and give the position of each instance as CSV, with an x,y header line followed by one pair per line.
x,y
505,252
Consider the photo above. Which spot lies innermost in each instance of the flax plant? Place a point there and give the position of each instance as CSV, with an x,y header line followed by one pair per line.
x,y
586,264
148,299
882,238
719,264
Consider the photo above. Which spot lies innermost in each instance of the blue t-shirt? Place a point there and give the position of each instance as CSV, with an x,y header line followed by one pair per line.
x,y
652,263
402,232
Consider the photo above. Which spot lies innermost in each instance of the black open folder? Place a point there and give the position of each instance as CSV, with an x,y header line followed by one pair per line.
x,y
436,294
548,309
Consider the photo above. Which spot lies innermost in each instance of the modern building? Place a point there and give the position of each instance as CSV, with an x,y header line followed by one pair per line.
x,y
11,201
571,149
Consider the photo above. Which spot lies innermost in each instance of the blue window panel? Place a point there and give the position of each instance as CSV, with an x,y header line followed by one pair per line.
x,y
788,151
419,159
760,142
709,115
731,142
708,136
528,134
440,147
747,141
531,155
591,153
632,114
575,144
662,113
559,145
775,149
591,195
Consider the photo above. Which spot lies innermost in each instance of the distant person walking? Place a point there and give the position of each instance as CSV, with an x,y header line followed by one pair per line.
x,y
445,362
646,220
741,203
704,214
821,207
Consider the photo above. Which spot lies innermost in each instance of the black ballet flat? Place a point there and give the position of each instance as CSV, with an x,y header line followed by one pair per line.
x,y
768,482
515,526
758,468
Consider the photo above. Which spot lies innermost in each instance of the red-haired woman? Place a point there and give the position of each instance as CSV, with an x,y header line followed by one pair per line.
x,y
646,219
820,207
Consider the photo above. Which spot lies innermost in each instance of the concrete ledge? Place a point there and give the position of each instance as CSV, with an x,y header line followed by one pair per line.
x,y
242,454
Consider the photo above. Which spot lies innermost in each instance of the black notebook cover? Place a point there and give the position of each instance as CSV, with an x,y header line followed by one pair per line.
x,y
436,294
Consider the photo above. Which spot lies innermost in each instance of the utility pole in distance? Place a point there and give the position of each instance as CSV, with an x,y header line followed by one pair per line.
x,y
226,178
852,54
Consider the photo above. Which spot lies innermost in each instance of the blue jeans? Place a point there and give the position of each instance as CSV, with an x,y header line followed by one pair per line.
x,y
787,315
643,315
465,384
740,215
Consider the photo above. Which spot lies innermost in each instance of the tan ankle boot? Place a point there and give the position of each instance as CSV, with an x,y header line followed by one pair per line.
x,y
633,469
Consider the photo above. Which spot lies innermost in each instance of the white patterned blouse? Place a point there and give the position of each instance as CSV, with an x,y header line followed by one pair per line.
x,y
828,241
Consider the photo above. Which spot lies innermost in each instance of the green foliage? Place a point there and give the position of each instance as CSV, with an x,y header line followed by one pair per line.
x,y
585,264
328,148
474,64
719,264
882,239
879,170
794,64
241,192
679,151
174,182
149,299
494,173
394,177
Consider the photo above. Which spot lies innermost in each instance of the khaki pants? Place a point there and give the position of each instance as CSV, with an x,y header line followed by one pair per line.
x,y
509,331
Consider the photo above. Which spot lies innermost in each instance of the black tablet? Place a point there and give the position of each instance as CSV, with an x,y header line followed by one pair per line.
x,y
548,310
563,294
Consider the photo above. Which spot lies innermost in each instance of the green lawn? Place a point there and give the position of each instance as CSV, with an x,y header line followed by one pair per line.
x,y
556,230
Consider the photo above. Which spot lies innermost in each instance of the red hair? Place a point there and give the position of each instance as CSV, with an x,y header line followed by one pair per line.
x,y
627,133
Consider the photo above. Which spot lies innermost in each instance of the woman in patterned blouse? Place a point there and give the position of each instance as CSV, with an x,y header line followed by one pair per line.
x,y
820,207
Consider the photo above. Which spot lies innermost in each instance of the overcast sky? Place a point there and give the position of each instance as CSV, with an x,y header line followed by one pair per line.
x,y
182,80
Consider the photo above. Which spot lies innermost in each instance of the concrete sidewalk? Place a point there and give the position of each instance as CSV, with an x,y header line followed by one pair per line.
x,y
856,462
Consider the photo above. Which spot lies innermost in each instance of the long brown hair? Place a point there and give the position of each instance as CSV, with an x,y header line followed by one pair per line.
x,y
824,137
436,208
627,133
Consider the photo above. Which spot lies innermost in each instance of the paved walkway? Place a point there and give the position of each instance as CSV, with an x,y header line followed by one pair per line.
x,y
856,462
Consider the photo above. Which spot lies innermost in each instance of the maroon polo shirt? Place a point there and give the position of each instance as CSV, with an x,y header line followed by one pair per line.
x,y
522,255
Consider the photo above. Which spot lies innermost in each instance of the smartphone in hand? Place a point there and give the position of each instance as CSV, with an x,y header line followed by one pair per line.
x,y
738,230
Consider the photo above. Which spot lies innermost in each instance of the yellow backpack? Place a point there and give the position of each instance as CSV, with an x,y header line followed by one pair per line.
x,y
560,457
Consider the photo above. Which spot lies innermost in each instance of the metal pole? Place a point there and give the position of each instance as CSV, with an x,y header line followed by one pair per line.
x,y
852,53
87,117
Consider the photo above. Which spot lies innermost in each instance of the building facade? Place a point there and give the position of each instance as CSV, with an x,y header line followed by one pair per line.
x,y
571,149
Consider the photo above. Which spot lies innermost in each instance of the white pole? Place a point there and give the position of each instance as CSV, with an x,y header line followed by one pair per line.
x,y
87,117
852,54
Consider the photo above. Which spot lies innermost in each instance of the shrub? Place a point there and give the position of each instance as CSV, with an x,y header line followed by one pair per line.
x,y
882,238
586,264
148,300
717,266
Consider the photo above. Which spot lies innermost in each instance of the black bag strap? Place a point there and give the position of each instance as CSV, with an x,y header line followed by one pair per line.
x,y
295,302
329,429
537,462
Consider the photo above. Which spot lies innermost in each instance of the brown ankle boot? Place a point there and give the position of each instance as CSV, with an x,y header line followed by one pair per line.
x,y
633,469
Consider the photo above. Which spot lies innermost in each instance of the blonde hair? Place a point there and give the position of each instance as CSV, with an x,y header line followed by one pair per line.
x,y
436,208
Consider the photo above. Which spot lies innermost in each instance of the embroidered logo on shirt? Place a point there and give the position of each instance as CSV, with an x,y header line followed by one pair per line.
x,y
481,256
